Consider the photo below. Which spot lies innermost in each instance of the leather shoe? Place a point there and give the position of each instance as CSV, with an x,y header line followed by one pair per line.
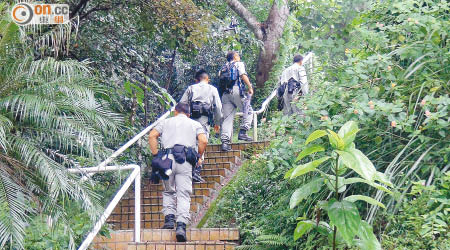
x,y
243,136
226,147
181,232
169,222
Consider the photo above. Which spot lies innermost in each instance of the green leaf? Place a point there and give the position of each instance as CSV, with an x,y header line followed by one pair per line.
x,y
302,228
289,173
353,198
381,177
306,190
315,135
309,150
371,183
345,216
335,140
367,239
308,167
356,160
348,132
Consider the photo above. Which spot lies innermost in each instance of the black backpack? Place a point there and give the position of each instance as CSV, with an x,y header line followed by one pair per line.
x,y
227,78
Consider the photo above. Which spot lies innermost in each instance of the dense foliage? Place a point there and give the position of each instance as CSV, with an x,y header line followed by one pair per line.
x,y
386,67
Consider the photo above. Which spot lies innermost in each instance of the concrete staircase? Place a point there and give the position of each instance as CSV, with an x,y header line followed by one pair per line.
x,y
219,167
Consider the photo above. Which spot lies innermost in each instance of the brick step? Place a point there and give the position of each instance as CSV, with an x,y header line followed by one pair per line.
x,y
218,171
166,235
221,159
158,200
238,146
214,178
147,216
227,165
190,245
147,208
159,187
196,191
210,154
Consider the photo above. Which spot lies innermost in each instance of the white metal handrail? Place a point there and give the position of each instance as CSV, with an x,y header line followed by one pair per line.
x,y
135,177
308,59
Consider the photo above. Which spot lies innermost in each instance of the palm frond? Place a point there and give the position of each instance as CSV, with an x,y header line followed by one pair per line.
x,y
5,125
50,68
14,209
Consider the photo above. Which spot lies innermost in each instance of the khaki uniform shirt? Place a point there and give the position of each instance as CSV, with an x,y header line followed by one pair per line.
x,y
206,93
179,130
298,73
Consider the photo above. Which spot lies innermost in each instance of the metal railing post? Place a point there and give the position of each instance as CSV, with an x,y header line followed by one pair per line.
x,y
137,208
255,126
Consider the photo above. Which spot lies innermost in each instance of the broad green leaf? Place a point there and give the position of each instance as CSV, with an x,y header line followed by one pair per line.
x,y
335,140
315,135
371,183
345,216
302,228
348,132
309,150
381,177
367,239
308,167
353,198
306,190
289,173
356,160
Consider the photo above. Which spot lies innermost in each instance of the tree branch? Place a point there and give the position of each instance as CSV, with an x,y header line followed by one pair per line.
x,y
248,17
81,4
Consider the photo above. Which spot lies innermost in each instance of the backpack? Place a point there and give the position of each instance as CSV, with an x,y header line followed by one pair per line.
x,y
228,76
292,85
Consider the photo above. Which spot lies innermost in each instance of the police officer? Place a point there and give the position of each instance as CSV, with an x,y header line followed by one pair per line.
x,y
205,97
236,98
176,131
295,75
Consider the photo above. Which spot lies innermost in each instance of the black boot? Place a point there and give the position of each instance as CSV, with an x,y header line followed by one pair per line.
x,y
226,146
196,177
181,232
169,222
243,136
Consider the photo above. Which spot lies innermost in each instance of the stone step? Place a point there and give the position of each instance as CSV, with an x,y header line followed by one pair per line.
x,y
166,235
158,200
210,154
238,146
190,245
221,159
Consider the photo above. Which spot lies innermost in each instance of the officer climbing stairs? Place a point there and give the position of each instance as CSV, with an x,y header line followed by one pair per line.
x,y
218,169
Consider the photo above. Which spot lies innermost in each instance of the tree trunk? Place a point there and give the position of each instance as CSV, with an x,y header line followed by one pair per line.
x,y
269,33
